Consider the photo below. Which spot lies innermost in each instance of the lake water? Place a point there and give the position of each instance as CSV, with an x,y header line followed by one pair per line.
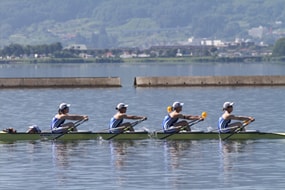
x,y
149,164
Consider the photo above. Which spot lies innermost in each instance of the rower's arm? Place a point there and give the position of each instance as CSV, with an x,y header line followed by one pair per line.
x,y
241,118
75,117
191,117
134,117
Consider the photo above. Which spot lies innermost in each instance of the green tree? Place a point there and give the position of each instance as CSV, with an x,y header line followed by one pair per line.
x,y
279,48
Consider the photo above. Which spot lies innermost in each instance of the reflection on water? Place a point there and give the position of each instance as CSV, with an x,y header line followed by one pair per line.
x,y
61,151
230,153
174,151
119,159
119,153
60,154
63,154
149,164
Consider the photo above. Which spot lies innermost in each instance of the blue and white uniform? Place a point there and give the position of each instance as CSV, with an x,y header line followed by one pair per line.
x,y
223,125
56,125
168,123
114,123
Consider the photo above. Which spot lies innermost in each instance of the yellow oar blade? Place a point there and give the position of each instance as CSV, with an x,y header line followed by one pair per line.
x,y
204,115
169,109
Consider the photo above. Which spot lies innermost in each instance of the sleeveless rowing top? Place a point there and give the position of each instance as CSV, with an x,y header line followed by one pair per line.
x,y
223,124
55,123
114,123
168,122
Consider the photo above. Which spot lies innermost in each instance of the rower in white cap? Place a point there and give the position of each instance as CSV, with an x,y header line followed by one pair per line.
x,y
225,125
58,124
116,123
171,123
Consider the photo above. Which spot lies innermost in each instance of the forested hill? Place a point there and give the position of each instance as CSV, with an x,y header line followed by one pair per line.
x,y
121,23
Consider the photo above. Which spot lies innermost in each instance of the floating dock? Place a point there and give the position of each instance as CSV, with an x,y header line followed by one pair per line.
x,y
176,81
60,82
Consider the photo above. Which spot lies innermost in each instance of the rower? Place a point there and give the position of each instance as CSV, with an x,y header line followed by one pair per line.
x,y
171,123
225,125
58,124
33,129
116,123
9,130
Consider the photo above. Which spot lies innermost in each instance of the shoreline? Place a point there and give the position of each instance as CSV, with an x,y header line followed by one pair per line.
x,y
145,60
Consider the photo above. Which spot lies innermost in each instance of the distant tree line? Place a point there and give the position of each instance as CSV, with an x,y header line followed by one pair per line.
x,y
18,50
279,48
56,50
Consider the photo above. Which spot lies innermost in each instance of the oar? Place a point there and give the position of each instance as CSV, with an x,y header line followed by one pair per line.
x,y
126,128
76,124
191,123
246,123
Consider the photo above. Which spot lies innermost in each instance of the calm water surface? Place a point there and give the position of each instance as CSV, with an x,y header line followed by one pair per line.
x,y
149,164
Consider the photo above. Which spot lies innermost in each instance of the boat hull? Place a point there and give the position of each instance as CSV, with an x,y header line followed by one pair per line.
x,y
48,136
216,136
74,136
140,136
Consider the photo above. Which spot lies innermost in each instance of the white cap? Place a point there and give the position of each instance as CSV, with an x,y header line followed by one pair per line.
x,y
63,106
228,104
177,104
121,105
33,126
36,128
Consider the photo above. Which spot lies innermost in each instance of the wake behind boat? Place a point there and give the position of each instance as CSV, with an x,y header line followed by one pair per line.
x,y
140,135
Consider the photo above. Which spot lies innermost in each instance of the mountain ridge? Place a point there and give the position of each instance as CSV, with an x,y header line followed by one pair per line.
x,y
137,23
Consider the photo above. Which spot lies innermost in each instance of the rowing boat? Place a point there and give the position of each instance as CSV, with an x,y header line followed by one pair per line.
x,y
200,135
88,135
22,136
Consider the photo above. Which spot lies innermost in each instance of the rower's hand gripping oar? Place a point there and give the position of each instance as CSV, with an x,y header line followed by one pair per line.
x,y
245,123
76,124
127,128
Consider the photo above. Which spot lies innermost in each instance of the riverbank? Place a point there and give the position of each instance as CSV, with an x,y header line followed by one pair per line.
x,y
146,60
